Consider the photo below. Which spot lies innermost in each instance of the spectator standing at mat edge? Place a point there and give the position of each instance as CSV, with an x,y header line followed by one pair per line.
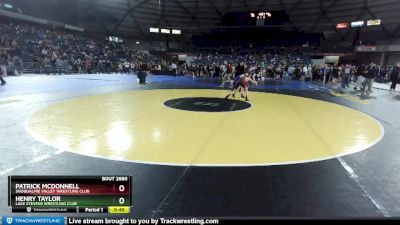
x,y
345,76
394,76
143,70
3,82
3,69
359,77
369,78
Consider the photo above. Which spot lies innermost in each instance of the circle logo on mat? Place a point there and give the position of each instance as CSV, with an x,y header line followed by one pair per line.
x,y
203,104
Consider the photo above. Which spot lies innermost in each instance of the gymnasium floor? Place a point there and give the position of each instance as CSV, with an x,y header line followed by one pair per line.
x,y
290,152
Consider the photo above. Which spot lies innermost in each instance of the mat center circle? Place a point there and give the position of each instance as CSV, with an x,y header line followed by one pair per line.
x,y
207,104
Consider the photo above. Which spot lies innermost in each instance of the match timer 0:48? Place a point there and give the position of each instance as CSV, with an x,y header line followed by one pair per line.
x,y
118,209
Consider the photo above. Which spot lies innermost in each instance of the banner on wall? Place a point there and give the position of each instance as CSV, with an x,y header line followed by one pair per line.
x,y
331,59
366,48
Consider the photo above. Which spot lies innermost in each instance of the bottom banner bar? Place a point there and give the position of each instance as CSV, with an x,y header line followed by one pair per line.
x,y
139,221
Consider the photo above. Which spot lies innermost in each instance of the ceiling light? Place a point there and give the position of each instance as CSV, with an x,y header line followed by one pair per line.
x,y
165,31
154,30
175,31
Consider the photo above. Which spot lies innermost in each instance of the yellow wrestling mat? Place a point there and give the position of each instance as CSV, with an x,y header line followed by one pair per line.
x,y
136,126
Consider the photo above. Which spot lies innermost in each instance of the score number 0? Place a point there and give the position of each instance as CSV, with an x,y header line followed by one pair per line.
x,y
121,200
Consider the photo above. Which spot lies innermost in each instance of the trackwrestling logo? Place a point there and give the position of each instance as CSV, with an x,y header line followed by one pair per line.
x,y
33,220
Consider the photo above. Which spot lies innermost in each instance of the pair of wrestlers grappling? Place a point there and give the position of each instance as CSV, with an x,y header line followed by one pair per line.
x,y
242,82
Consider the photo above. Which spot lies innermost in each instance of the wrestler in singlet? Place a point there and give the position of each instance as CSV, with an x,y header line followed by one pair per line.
x,y
241,82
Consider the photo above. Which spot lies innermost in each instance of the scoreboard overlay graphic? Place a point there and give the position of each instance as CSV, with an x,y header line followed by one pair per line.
x,y
75,194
